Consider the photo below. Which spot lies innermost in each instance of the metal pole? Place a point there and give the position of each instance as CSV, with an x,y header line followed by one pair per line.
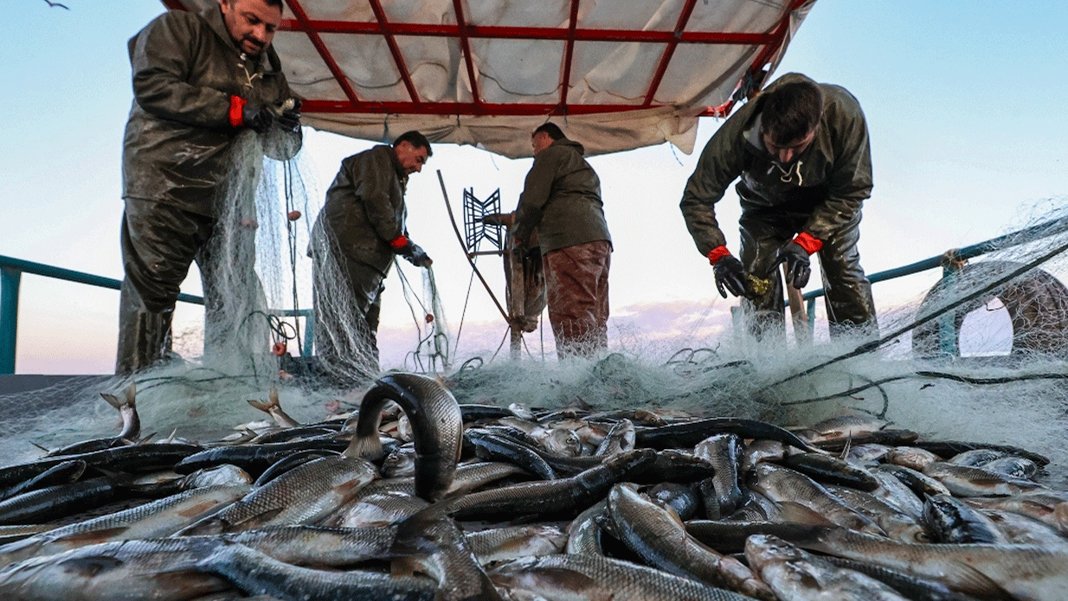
x,y
9,317
515,297
463,245
947,330
794,300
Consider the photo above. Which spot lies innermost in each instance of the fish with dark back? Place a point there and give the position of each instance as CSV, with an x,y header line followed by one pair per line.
x,y
523,503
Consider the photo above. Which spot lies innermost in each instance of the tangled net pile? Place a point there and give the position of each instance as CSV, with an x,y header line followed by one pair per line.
x,y
981,356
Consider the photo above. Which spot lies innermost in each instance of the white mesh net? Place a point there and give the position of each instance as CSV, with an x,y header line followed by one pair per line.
x,y
985,363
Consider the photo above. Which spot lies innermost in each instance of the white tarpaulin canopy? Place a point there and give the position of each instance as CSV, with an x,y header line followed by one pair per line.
x,y
617,74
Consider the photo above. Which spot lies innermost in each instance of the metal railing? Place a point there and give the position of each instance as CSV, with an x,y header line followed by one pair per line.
x,y
948,262
11,270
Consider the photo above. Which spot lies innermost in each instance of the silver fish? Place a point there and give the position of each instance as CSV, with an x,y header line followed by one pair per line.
x,y
911,457
468,477
976,457
437,426
156,519
724,452
758,451
430,542
560,441
1039,505
919,483
1027,572
894,493
317,546
951,520
784,485
162,570
400,462
505,544
659,537
843,426
259,574
584,532
521,411
380,509
572,577
975,482
223,474
795,575
1020,468
10,534
554,496
273,407
303,495
897,524
867,454
127,408
1022,530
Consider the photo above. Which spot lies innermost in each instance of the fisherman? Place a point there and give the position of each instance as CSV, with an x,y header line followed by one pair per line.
x,y
561,201
360,229
801,150
200,81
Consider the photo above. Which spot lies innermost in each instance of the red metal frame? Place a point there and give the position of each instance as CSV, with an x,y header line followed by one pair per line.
x,y
569,52
669,51
320,47
391,41
770,43
465,47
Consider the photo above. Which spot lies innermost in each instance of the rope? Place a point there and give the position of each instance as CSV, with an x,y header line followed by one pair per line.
x,y
463,314
929,374
291,236
460,239
441,337
435,333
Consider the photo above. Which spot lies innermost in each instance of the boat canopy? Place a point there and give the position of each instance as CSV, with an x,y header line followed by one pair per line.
x,y
617,74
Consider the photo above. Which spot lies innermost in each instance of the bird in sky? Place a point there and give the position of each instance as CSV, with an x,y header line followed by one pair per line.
x,y
56,4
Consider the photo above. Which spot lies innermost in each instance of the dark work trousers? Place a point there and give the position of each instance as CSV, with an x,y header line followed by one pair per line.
x,y
848,300
159,242
576,286
348,302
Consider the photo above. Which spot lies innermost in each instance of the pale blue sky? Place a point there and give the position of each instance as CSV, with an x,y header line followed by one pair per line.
x,y
964,101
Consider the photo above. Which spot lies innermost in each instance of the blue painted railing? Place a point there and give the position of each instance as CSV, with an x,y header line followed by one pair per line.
x,y
11,271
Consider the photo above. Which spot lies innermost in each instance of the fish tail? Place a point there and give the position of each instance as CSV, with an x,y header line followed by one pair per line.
x,y
365,447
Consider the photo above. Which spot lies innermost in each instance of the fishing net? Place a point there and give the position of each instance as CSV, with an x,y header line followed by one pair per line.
x,y
978,355
254,334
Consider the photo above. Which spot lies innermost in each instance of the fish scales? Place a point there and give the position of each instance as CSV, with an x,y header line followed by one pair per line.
x,y
595,577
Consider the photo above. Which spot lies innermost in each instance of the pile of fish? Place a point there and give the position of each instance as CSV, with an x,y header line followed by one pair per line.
x,y
418,497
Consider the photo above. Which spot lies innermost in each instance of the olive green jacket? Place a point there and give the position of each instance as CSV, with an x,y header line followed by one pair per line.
x,y
561,199
178,137
365,207
829,180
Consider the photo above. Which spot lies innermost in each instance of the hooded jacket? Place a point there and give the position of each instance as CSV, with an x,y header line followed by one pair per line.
x,y
178,137
829,180
561,199
365,207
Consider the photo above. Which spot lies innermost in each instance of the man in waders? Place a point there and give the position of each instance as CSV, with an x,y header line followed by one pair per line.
x,y
360,229
801,150
200,80
561,201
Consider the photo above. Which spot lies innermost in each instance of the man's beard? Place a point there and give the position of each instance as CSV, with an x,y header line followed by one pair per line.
x,y
258,48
